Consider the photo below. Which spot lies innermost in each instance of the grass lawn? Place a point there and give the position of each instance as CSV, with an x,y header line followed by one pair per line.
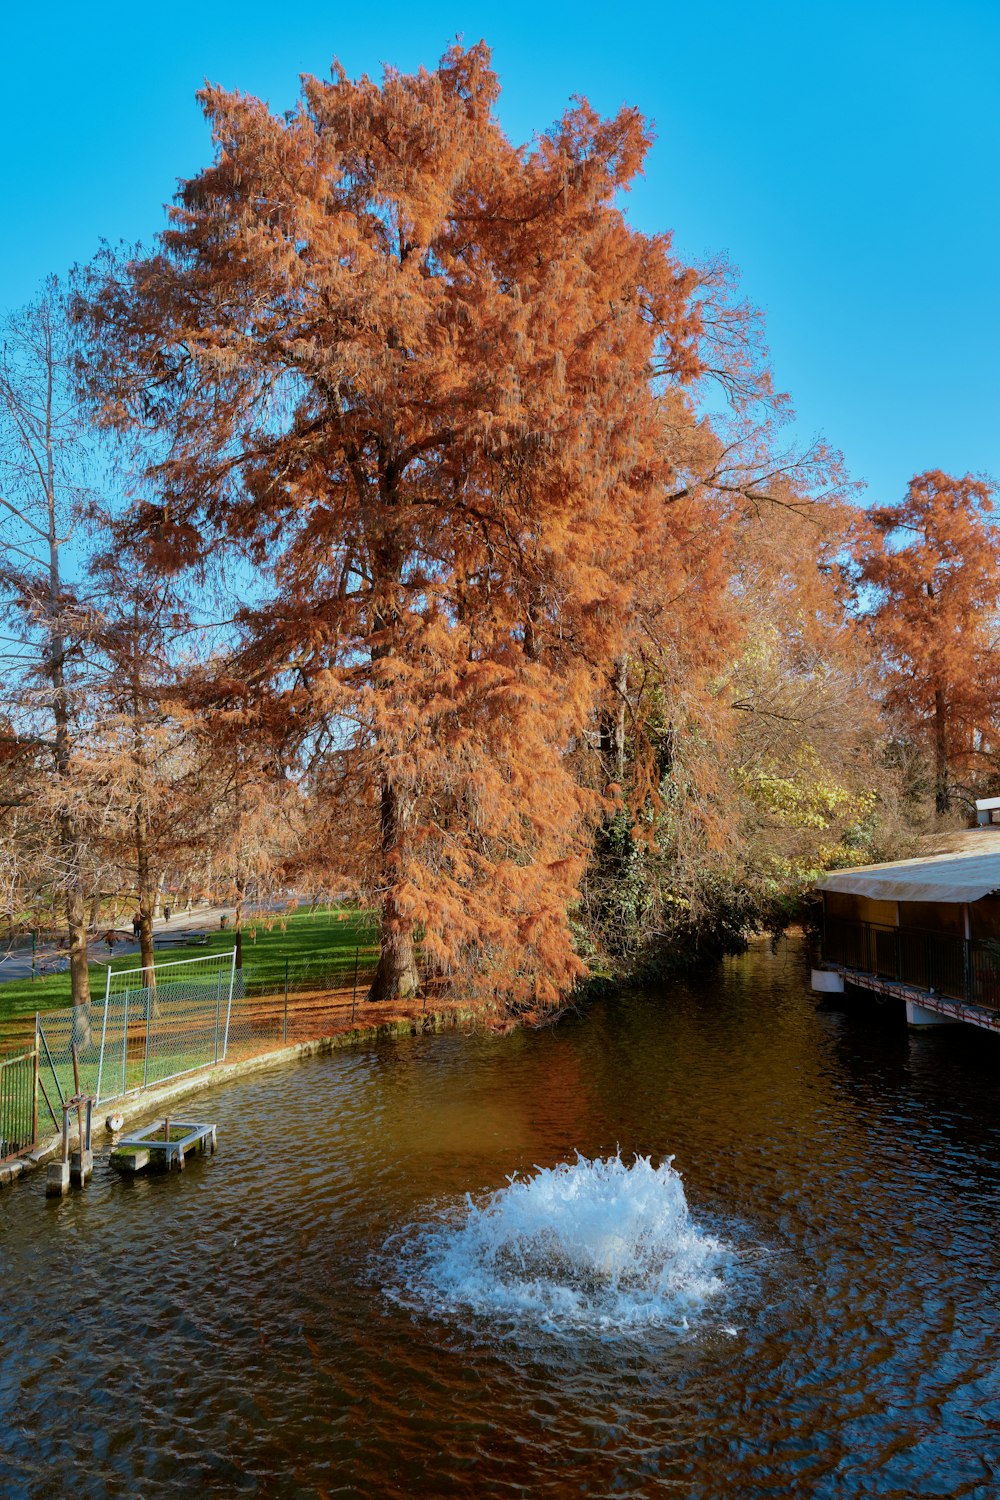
x,y
313,945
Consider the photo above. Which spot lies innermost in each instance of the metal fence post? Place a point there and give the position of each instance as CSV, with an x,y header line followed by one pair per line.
x,y
229,1004
79,1109
125,1046
104,1032
34,1094
284,1031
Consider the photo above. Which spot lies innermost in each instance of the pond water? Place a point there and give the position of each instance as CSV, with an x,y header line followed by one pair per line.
x,y
808,1309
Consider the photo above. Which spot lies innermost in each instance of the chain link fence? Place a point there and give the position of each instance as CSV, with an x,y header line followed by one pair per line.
x,y
162,1023
158,1024
154,1024
303,998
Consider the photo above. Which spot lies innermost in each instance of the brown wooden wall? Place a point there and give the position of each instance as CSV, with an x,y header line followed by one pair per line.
x,y
929,916
934,916
859,908
984,918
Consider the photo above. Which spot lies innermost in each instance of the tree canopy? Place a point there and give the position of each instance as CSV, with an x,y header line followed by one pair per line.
x,y
532,634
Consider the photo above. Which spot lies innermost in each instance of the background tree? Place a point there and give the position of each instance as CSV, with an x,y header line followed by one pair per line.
x,y
143,751
253,812
930,591
44,434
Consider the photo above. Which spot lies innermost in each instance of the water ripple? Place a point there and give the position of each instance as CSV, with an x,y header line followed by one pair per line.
x,y
226,1331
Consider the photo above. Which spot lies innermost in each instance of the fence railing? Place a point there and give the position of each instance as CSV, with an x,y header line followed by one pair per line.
x,y
957,968
18,1103
152,1026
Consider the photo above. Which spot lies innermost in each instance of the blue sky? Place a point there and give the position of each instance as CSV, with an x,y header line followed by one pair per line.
x,y
844,156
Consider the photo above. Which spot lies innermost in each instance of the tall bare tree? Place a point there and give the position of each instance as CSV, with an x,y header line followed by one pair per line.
x,y
44,488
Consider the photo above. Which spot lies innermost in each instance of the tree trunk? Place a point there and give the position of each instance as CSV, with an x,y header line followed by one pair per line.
x,y
76,911
238,921
79,957
613,725
147,894
942,783
396,975
146,950
76,920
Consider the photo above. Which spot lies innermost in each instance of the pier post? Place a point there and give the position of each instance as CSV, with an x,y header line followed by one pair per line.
x,y
81,1167
919,1015
57,1179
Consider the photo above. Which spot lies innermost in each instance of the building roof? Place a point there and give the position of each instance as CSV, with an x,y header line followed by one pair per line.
x,y
961,866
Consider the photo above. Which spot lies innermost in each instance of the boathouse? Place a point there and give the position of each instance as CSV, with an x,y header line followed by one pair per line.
x,y
926,930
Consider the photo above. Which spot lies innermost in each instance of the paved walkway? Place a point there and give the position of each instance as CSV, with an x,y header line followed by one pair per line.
x,y
48,959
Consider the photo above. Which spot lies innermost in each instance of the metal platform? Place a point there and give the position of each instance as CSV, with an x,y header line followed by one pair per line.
x,y
163,1145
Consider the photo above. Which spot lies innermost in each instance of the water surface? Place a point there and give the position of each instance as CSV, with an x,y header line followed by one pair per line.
x,y
259,1325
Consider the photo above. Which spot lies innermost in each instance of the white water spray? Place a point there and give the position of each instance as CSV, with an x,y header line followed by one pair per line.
x,y
600,1244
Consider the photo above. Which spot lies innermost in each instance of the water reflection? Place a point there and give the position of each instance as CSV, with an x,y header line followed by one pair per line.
x,y
230,1331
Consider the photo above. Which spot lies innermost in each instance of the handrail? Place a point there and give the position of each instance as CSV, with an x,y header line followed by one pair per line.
x,y
941,963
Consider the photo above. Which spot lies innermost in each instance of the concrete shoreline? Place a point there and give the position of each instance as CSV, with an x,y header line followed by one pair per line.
x,y
150,1100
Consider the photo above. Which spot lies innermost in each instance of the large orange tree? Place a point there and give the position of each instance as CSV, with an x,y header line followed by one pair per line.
x,y
414,375
930,566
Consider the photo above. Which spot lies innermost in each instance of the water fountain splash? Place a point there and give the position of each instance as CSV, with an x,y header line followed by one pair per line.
x,y
603,1245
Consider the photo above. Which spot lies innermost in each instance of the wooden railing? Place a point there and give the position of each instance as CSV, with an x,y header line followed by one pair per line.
x,y
957,968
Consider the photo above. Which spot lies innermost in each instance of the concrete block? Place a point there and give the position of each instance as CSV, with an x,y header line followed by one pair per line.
x,y
81,1167
827,982
57,1179
129,1161
919,1015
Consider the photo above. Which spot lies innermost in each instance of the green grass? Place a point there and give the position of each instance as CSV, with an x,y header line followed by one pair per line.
x,y
316,946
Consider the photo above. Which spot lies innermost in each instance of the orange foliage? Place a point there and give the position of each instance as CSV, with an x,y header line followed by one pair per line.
x,y
423,377
932,562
